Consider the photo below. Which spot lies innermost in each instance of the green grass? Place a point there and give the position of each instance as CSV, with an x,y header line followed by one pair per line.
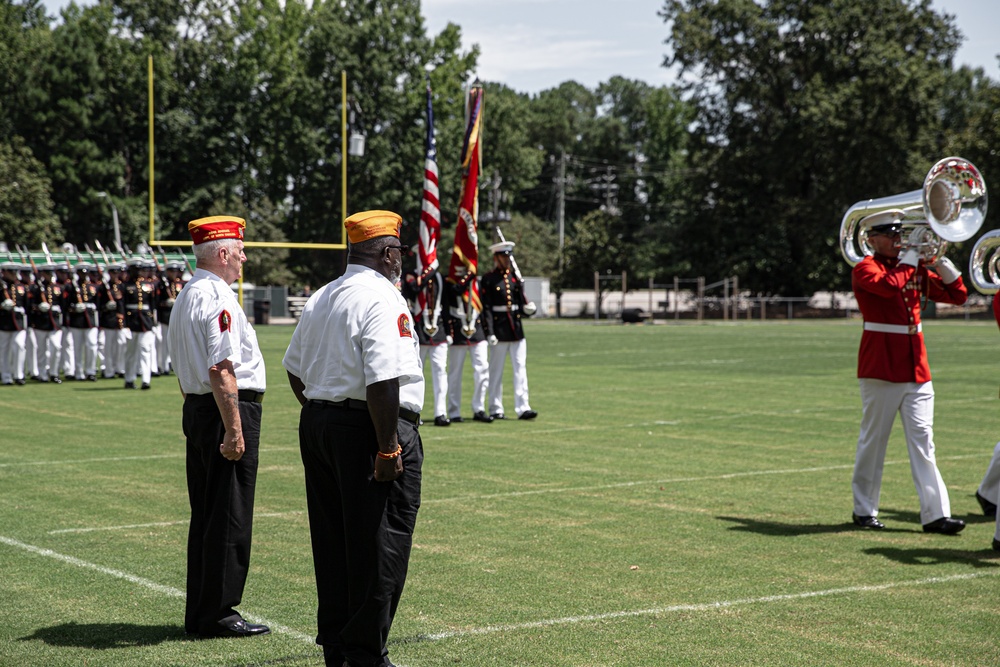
x,y
683,499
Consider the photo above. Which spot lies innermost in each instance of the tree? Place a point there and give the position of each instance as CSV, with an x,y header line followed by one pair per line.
x,y
803,109
26,215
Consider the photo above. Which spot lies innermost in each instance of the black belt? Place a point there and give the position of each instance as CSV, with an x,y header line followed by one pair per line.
x,y
245,395
355,404
251,396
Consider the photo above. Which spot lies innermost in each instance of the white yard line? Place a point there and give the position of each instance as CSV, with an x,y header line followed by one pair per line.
x,y
181,454
515,627
145,583
157,524
706,606
676,480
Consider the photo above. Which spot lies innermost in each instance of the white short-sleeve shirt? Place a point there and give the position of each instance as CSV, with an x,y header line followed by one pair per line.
x,y
353,332
208,326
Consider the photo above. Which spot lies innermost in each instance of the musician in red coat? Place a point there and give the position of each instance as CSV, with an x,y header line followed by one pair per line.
x,y
893,371
988,493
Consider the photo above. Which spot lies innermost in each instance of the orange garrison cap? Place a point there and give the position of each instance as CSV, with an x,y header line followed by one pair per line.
x,y
372,224
216,227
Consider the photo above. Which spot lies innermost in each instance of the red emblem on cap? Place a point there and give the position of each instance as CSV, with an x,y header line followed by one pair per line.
x,y
404,326
225,320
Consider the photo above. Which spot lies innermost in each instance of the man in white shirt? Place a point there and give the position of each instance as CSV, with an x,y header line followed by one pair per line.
x,y
221,374
354,365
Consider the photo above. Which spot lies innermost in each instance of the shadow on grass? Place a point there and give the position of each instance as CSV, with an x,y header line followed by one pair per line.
x,y
107,635
103,636
931,556
896,521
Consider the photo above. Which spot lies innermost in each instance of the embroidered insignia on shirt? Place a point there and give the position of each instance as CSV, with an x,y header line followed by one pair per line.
x,y
225,320
404,326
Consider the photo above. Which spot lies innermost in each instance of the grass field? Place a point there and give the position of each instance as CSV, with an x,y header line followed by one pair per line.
x,y
683,499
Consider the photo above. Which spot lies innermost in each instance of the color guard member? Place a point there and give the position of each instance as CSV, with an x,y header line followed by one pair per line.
x,y
431,333
503,303
467,340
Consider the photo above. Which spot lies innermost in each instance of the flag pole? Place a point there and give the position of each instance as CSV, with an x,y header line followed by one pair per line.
x,y
152,234
343,155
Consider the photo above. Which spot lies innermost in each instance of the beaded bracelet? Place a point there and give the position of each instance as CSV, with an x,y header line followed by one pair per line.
x,y
395,454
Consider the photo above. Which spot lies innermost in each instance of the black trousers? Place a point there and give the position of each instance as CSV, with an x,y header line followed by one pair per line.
x,y
361,530
221,493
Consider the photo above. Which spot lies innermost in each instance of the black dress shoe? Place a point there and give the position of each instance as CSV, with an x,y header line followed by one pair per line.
x,y
989,509
996,544
527,414
130,385
457,420
91,378
869,522
945,526
145,385
482,417
441,420
497,415
19,382
236,628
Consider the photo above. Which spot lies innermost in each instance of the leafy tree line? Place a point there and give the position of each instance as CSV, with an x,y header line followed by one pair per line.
x,y
786,114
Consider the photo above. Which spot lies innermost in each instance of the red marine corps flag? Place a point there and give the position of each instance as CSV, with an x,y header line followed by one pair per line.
x,y
465,255
430,222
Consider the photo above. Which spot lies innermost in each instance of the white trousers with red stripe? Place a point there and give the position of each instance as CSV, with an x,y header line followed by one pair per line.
x,y
480,377
439,375
12,355
989,488
517,350
881,401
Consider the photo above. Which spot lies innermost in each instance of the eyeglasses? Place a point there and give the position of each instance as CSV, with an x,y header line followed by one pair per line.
x,y
403,249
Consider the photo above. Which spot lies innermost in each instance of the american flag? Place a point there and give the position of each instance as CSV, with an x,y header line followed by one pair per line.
x,y
430,214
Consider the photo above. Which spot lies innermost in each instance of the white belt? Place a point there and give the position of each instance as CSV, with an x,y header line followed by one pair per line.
x,y
503,309
894,328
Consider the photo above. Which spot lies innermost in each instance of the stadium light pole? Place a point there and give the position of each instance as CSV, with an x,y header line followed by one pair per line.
x,y
114,217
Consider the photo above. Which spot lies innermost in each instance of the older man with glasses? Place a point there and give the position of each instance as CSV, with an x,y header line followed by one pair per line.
x,y
893,372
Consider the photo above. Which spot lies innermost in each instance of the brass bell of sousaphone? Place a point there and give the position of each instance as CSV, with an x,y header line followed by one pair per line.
x,y
984,263
950,207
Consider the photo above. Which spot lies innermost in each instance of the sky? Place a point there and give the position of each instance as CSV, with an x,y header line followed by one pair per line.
x,y
534,45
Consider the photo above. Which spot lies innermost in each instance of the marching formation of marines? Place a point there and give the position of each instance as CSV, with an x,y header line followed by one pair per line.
x,y
81,322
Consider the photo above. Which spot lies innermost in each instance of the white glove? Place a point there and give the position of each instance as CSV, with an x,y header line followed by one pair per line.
x,y
170,302
530,308
911,257
44,307
449,339
78,307
493,339
916,238
7,304
946,269
110,305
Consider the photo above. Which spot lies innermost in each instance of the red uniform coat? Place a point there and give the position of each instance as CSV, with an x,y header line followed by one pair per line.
x,y
891,293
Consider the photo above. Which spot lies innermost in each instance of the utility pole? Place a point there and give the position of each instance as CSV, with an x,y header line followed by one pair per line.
x,y
561,217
